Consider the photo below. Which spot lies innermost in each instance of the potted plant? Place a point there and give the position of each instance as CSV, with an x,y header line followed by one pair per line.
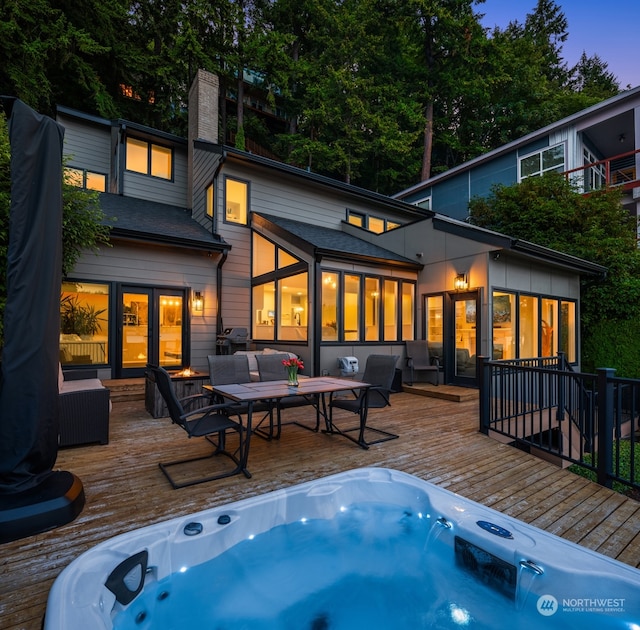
x,y
79,319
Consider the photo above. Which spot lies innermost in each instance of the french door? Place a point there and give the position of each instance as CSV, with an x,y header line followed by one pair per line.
x,y
464,323
151,329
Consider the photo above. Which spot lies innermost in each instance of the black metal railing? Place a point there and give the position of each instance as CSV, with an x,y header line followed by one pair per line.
x,y
544,406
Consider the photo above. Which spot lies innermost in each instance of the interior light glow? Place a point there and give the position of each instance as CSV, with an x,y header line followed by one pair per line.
x,y
459,616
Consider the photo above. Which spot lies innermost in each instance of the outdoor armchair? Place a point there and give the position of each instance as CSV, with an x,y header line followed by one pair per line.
x,y
379,371
205,422
418,360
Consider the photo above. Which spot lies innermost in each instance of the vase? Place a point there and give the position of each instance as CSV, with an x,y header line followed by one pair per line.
x,y
292,376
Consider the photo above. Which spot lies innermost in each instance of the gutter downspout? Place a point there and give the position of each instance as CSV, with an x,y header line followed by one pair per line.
x,y
223,258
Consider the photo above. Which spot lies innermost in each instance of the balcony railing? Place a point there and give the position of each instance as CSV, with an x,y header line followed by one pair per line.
x,y
619,170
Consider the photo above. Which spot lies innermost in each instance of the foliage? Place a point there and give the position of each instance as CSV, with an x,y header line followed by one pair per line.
x,y
82,224
79,319
550,211
613,343
622,448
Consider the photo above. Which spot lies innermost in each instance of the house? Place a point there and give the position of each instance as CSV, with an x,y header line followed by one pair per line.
x,y
595,147
206,237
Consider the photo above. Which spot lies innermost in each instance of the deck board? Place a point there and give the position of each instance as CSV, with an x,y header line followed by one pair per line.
x,y
439,442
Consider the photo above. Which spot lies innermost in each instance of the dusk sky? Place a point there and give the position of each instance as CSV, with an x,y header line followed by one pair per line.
x,y
604,28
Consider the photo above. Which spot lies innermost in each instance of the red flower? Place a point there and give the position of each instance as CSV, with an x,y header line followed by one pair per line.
x,y
289,363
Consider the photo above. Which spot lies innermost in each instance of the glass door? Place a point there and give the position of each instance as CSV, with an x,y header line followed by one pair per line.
x,y
136,330
152,329
465,315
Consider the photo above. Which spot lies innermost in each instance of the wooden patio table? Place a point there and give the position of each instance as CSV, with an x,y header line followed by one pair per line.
x,y
312,388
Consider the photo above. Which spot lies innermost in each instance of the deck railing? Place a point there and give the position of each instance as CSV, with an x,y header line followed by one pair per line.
x,y
619,170
545,407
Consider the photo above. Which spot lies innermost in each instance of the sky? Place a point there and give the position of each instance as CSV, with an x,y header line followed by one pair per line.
x,y
607,28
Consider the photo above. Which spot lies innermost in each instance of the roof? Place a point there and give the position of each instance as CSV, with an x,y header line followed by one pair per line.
x,y
153,222
322,180
324,242
598,108
516,246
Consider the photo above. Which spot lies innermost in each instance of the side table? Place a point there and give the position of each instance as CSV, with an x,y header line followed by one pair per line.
x,y
184,386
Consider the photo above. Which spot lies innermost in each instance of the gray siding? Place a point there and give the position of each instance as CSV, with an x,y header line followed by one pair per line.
x,y
87,146
161,267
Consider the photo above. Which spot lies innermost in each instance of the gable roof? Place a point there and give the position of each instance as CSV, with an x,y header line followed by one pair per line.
x,y
153,222
323,242
598,108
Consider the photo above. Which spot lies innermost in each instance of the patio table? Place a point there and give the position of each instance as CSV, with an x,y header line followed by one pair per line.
x,y
312,388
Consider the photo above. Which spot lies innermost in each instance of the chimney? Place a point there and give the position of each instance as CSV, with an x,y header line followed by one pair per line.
x,y
203,116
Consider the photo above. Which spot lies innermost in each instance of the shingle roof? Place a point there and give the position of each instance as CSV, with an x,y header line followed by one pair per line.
x,y
150,221
323,241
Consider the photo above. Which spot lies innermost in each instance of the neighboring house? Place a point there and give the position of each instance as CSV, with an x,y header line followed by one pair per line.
x,y
206,237
595,147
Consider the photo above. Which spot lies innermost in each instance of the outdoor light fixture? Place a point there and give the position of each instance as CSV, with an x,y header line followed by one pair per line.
x,y
461,282
198,302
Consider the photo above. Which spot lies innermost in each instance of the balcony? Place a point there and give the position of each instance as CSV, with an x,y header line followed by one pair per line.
x,y
619,170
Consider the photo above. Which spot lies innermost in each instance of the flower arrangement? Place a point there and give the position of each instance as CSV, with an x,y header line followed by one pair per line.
x,y
292,366
293,363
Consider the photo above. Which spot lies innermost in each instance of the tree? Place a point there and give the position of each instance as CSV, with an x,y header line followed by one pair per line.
x,y
550,211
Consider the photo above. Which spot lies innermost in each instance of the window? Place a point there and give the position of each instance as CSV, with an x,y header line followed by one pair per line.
x,y
375,224
351,301
280,293
84,323
209,200
434,310
425,203
535,164
86,179
358,308
149,159
526,326
236,201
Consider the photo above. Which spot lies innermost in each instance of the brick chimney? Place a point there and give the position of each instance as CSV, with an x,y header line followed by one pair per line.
x,y
203,116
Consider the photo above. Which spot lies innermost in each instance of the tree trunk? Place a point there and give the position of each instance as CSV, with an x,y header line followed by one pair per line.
x,y
427,143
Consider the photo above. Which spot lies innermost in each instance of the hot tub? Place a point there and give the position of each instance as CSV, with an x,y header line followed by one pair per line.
x,y
370,548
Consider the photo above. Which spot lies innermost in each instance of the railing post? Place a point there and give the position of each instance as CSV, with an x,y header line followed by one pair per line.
x,y
604,442
562,385
484,382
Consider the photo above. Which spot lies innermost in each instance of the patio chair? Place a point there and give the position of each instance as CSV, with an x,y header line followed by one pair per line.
x,y
227,369
203,422
379,371
418,360
270,368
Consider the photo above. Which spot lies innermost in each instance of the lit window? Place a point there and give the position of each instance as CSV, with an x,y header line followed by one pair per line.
x,y
86,179
549,327
293,307
390,310
264,255
408,300
504,322
529,329
376,225
264,305
149,159
351,299
535,164
208,200
236,201
372,309
84,323
568,330
355,218
329,315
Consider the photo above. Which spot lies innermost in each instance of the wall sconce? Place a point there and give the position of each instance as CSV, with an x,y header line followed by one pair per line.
x,y
198,302
461,282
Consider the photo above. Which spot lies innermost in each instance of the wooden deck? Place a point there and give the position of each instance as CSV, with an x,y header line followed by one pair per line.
x,y
438,442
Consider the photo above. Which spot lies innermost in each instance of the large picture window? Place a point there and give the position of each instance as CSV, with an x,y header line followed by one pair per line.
x,y
527,326
363,308
84,323
280,293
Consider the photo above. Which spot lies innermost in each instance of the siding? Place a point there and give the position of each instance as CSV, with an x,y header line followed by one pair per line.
x,y
161,267
87,146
